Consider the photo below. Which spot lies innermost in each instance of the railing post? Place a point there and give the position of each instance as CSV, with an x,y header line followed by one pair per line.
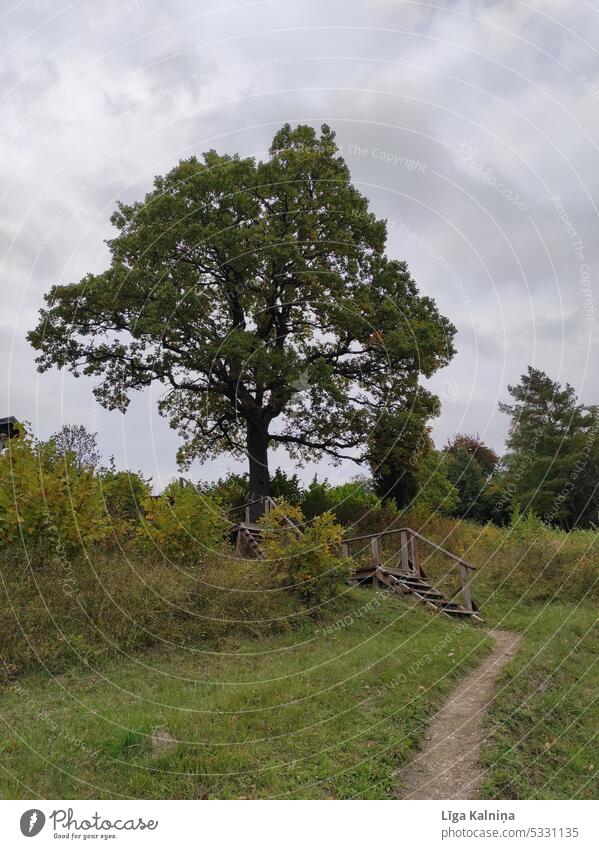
x,y
344,549
247,515
466,594
415,554
404,554
375,553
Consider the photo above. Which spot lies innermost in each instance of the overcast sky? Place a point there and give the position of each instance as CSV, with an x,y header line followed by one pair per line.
x,y
473,127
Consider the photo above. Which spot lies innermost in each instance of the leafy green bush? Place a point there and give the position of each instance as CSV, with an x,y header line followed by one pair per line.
x,y
308,564
436,493
287,487
45,496
232,491
124,493
349,502
182,525
316,499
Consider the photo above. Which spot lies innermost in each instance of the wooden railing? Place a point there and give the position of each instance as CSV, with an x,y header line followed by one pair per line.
x,y
410,557
267,505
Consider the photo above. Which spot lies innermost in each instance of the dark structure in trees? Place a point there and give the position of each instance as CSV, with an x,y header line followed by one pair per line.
x,y
8,429
259,295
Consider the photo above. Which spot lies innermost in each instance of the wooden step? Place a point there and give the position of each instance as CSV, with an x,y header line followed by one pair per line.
x,y
424,591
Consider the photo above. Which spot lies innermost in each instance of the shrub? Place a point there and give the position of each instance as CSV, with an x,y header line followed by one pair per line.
x,y
308,564
94,608
123,493
231,491
349,502
43,494
182,524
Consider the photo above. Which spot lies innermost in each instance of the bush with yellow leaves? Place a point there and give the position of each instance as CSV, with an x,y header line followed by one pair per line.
x,y
181,525
45,497
305,558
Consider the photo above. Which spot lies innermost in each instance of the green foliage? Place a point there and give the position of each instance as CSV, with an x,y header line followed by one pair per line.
x,y
47,497
527,527
399,443
552,462
316,499
348,501
231,491
182,525
436,493
308,564
124,493
471,483
255,291
287,487
486,458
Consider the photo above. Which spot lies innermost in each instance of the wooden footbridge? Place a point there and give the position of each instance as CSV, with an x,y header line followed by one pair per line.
x,y
390,558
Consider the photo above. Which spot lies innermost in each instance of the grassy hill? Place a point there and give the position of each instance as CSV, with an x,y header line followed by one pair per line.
x,y
163,686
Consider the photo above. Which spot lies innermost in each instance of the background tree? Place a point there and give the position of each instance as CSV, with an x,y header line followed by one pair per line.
x,y
232,491
78,441
259,295
399,444
552,462
470,480
486,458
470,465
287,487
436,493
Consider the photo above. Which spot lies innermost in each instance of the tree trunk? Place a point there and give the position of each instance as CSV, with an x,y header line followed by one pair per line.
x,y
257,445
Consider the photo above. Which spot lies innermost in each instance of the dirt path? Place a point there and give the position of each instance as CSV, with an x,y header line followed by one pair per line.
x,y
447,767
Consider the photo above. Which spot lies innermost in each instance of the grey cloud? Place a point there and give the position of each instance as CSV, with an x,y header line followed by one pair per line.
x,y
106,95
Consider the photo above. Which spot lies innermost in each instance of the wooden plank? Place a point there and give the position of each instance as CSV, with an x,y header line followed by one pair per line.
x,y
415,554
466,594
404,554
375,555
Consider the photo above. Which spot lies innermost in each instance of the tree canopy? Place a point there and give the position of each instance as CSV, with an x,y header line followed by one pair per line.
x,y
486,458
78,441
552,461
259,295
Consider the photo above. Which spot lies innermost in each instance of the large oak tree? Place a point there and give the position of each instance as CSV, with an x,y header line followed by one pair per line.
x,y
259,295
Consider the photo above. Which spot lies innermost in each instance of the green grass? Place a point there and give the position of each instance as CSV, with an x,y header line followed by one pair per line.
x,y
329,710
261,700
544,741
